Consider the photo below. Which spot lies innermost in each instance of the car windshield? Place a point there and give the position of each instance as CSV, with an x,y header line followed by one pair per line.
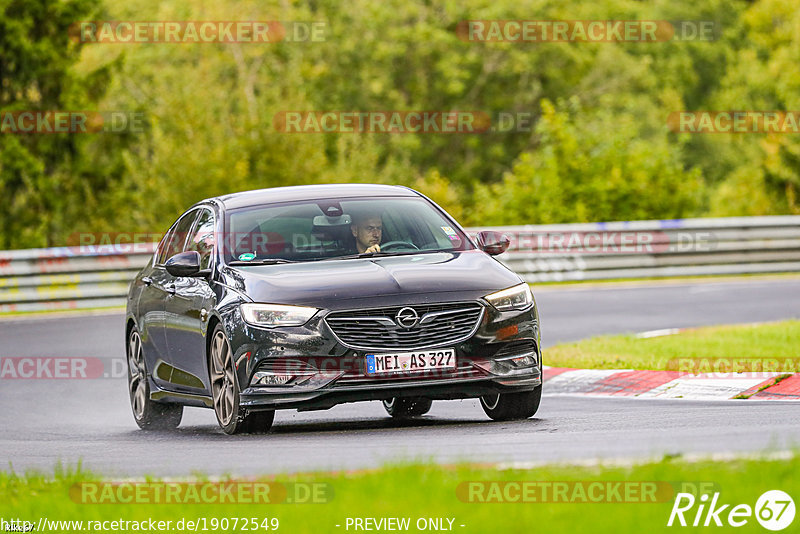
x,y
327,229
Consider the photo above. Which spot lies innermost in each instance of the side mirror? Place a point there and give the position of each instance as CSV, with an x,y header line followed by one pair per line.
x,y
185,264
493,243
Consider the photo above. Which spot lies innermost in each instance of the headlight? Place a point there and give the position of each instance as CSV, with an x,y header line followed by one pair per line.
x,y
270,315
514,298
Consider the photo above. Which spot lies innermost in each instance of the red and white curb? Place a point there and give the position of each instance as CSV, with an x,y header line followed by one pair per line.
x,y
671,384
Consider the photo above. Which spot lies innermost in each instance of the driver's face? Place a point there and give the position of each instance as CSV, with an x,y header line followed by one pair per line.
x,y
367,233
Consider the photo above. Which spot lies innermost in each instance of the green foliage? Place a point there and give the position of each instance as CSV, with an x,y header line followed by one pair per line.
x,y
590,167
598,148
49,182
764,75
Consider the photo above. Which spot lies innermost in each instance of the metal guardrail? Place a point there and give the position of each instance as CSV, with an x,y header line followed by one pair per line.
x,y
85,277
680,247
69,277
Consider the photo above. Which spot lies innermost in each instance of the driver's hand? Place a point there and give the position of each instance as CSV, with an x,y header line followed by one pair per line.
x,y
373,249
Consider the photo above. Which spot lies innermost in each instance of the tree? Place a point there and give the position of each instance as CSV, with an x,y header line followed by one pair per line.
x,y
47,180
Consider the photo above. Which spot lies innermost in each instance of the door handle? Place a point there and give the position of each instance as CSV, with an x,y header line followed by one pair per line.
x,y
146,280
170,289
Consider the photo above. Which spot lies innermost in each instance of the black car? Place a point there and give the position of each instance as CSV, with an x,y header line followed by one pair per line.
x,y
311,296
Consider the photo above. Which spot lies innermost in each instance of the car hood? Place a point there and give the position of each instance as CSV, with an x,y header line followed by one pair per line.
x,y
324,283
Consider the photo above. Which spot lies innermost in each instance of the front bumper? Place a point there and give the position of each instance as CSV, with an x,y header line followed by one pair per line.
x,y
325,398
325,372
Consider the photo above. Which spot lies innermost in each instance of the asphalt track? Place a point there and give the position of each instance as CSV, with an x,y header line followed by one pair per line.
x,y
47,421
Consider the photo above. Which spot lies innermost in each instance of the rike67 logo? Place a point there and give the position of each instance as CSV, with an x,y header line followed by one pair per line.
x,y
774,510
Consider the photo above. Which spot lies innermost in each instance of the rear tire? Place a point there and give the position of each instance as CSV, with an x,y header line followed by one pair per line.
x,y
512,406
232,418
149,415
405,407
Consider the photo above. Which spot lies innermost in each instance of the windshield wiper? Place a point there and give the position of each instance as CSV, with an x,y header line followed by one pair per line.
x,y
379,254
264,261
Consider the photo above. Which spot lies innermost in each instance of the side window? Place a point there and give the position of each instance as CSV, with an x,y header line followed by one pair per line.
x,y
176,238
162,247
202,239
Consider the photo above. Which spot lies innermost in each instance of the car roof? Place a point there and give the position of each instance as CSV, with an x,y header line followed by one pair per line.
x,y
311,192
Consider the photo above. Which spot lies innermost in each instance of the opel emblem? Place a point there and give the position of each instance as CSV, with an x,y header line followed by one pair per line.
x,y
407,318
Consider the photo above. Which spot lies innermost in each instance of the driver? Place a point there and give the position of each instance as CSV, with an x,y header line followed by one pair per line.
x,y
367,230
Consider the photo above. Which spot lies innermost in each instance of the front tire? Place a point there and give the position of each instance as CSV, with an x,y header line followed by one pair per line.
x,y
232,418
149,415
512,406
405,407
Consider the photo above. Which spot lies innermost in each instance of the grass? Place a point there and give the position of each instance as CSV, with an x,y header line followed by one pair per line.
x,y
768,341
429,491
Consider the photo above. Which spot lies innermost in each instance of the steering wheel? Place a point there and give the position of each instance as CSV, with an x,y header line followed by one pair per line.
x,y
396,244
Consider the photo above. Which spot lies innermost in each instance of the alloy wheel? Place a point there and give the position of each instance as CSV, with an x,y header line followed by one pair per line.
x,y
222,379
137,382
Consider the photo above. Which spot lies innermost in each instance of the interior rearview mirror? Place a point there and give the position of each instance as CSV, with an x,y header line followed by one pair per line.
x,y
322,221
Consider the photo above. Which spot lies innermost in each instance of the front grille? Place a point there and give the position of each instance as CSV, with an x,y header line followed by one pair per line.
x,y
378,329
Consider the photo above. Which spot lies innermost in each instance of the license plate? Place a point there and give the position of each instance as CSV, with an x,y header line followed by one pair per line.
x,y
403,362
